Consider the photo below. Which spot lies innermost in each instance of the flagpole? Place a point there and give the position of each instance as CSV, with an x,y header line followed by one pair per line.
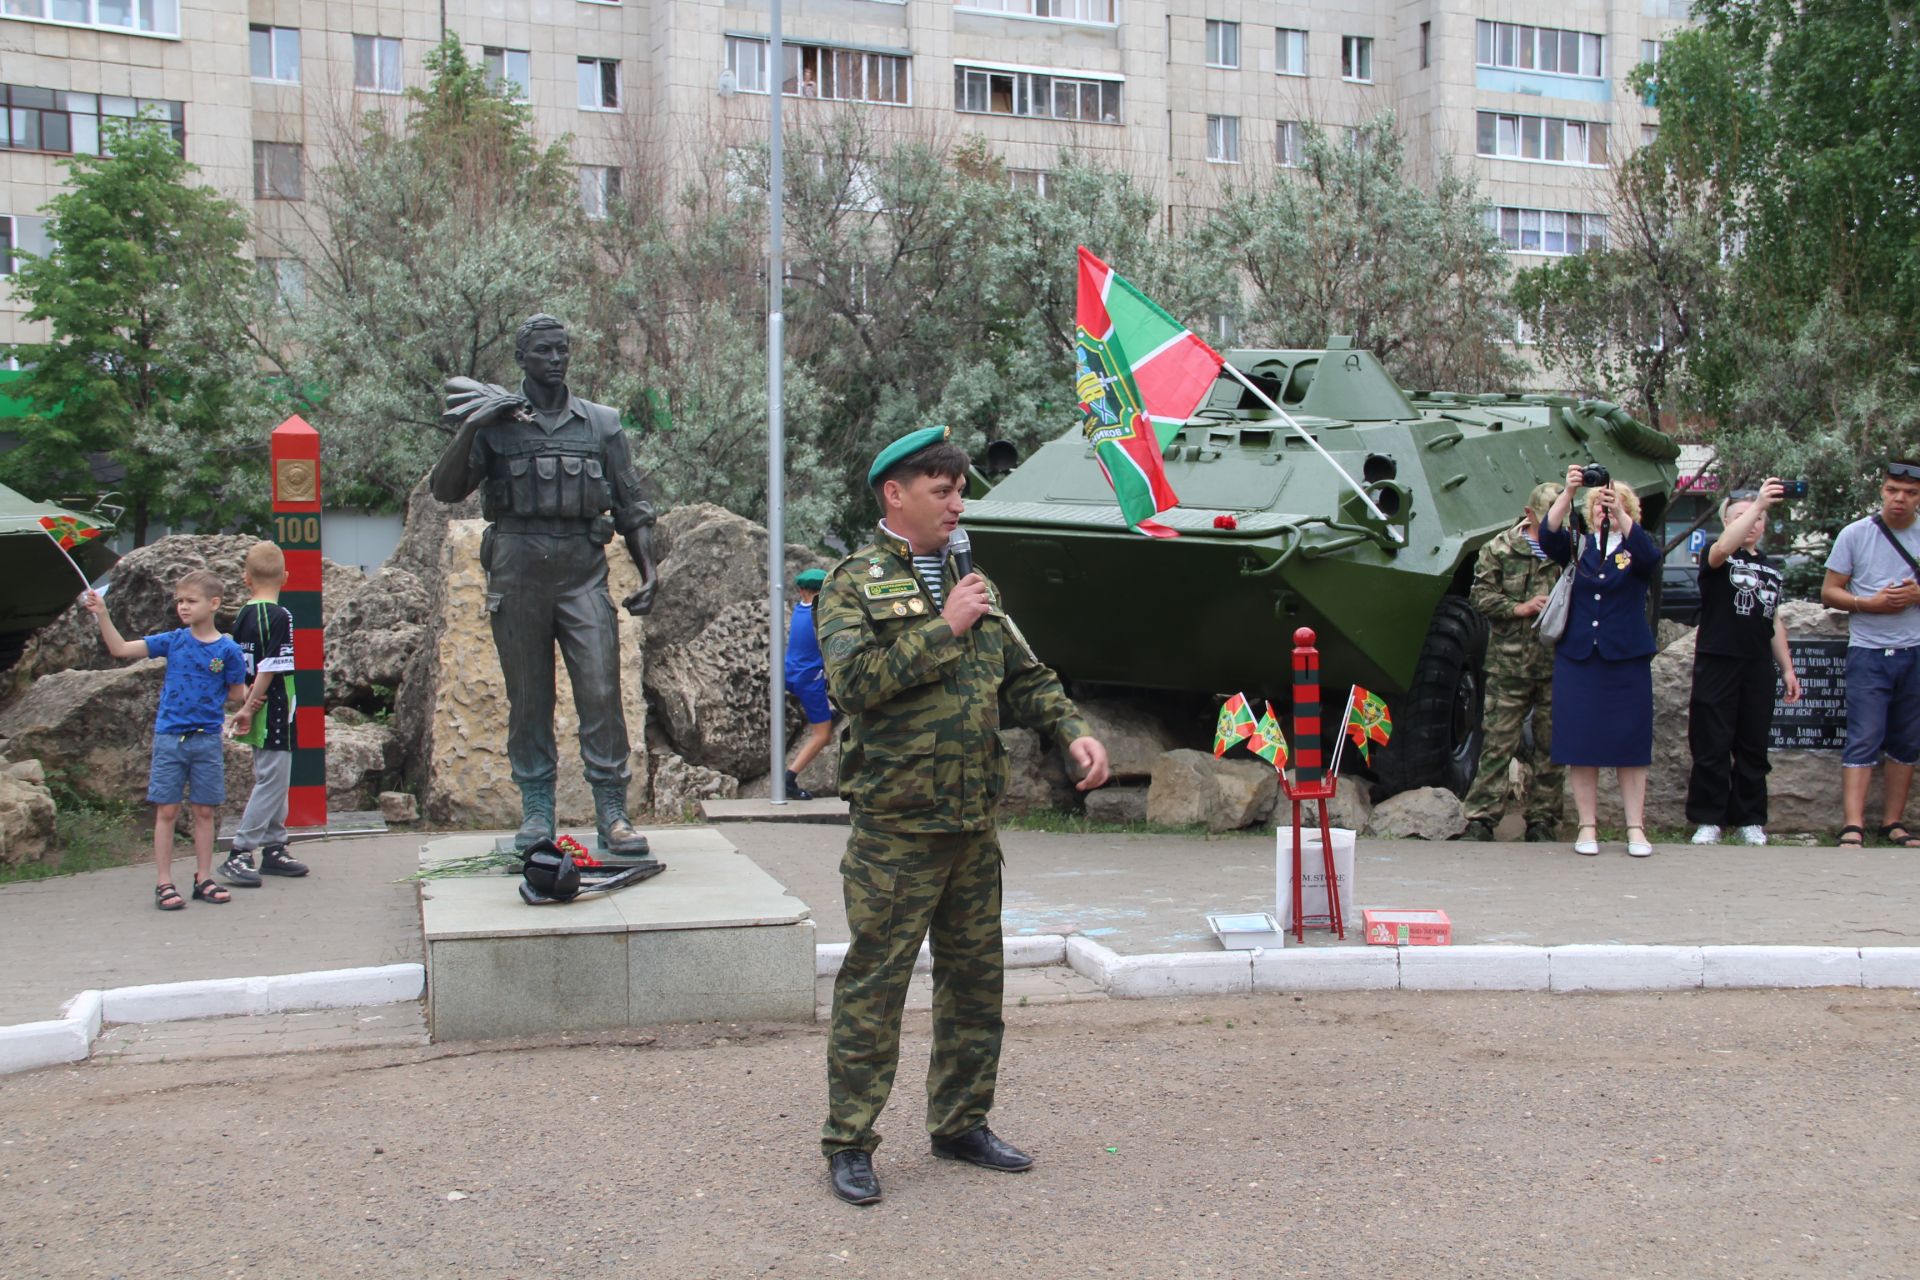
x,y
1289,419
64,555
1340,743
776,422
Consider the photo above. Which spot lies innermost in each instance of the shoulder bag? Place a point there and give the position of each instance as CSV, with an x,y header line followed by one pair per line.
x,y
1551,623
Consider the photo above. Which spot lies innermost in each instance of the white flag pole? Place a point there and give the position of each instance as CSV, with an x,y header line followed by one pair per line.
x,y
1340,745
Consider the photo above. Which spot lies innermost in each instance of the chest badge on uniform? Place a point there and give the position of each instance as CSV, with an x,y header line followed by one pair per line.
x,y
1622,559
899,609
875,571
917,605
891,588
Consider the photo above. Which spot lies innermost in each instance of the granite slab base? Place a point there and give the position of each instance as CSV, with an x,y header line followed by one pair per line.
x,y
713,938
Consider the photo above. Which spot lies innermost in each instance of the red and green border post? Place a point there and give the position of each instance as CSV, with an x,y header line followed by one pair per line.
x,y
296,527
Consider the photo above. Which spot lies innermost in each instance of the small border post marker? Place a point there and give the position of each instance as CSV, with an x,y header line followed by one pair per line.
x,y
1311,780
296,527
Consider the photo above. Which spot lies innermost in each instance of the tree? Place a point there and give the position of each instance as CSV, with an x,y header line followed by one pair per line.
x,y
148,363
1348,244
431,239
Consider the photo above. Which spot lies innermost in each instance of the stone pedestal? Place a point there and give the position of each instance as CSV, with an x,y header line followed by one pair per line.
x,y
712,938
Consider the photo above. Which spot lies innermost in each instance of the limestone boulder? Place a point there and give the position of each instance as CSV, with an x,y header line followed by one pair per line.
x,y
421,550
1134,736
1424,813
1188,788
1118,805
678,786
1351,806
93,728
1036,780
27,814
456,735
399,807
710,691
361,762
372,635
711,560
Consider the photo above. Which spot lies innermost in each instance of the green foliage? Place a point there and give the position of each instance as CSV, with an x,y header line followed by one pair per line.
x,y
1351,245
149,362
89,834
1759,284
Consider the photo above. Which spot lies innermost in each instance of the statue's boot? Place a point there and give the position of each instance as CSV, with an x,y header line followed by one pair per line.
x,y
536,815
617,835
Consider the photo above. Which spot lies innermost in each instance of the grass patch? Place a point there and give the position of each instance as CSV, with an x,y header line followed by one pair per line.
x,y
1078,824
89,835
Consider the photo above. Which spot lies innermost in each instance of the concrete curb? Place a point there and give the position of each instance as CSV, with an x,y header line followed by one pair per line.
x,y
70,1037
1020,951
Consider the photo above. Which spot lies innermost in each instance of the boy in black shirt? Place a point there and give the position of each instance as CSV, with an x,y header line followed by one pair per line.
x,y
1740,641
264,632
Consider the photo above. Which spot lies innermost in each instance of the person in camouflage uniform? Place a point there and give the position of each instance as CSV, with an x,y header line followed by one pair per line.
x,y
1511,580
920,656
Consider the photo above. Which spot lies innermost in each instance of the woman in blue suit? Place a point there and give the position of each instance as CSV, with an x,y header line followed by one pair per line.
x,y
1603,665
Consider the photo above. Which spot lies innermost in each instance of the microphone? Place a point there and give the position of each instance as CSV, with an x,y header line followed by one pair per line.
x,y
960,549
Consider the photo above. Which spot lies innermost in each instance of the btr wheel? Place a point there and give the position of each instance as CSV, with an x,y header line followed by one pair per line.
x,y
1436,722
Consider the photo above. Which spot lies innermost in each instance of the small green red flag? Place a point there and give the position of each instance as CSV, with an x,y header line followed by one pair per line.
x,y
1267,741
1368,721
1236,723
69,531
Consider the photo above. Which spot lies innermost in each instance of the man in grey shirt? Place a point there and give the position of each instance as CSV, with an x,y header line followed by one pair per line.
x,y
1872,573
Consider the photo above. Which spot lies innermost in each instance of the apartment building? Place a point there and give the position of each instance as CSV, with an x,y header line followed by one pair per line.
x,y
1189,96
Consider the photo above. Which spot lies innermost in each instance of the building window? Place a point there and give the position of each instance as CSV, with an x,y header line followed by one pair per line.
x,y
154,17
1289,51
1223,44
1550,231
1650,57
1549,49
1540,138
1037,182
1223,139
747,64
1681,9
1287,144
282,281
69,123
376,64
275,53
1648,133
599,84
1426,45
1035,93
276,171
21,234
1356,58
599,187
509,71
821,71
1100,11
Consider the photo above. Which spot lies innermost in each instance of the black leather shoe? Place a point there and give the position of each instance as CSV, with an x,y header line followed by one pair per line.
x,y
981,1147
852,1175
1476,829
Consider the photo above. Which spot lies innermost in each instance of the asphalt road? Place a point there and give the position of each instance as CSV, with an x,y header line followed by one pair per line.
x,y
1723,1134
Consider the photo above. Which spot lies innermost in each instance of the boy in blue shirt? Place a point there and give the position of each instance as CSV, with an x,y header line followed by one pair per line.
x,y
807,680
206,672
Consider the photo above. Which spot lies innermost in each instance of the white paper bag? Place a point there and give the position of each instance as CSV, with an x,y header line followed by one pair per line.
x,y
1313,874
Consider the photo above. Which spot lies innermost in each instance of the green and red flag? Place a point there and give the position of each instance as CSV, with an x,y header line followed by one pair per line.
x,y
1138,376
1236,723
68,531
1368,721
1267,741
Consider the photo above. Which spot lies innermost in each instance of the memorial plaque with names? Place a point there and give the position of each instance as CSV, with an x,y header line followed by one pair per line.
x,y
1818,722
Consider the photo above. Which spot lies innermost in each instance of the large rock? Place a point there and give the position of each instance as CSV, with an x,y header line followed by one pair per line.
x,y
361,761
710,692
421,550
461,728
1133,735
1189,787
1036,780
711,560
678,787
94,728
1424,813
1118,805
372,635
1803,788
27,813
1351,806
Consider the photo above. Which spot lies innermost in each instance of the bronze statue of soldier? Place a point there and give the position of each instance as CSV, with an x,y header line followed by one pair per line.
x,y
556,483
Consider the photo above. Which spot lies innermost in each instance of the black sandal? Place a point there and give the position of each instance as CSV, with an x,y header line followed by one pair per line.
x,y
168,898
1859,840
1905,840
209,890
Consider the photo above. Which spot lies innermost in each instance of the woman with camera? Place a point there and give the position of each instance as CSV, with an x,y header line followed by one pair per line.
x,y
1603,664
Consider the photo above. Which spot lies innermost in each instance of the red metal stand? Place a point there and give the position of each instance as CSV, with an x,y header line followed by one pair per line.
x,y
296,527
1310,782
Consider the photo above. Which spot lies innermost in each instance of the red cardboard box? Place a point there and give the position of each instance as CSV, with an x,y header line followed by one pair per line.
x,y
1408,926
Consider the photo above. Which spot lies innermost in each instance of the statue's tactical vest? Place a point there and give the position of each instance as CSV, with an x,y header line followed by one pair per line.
x,y
558,476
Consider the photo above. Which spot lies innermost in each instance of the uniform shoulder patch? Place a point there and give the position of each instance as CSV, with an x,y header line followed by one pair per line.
x,y
841,644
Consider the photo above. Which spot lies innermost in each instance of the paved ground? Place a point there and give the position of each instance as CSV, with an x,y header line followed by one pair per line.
x,y
1137,894
1723,1134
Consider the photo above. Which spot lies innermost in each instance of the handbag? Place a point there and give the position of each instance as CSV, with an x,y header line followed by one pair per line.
x,y
1551,623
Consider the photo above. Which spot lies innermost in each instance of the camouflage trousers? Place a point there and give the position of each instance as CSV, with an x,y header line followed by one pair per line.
x,y
1509,698
898,889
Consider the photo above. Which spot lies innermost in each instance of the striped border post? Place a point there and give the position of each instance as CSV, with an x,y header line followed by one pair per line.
x,y
1311,783
296,527
1309,766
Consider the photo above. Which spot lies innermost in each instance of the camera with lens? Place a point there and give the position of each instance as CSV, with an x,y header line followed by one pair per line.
x,y
1594,476
1794,488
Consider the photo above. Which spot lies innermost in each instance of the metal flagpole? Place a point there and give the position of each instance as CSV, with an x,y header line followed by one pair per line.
x,y
1304,435
776,424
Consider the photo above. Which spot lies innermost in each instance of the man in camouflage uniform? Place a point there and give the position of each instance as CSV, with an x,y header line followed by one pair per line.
x,y
919,657
1511,580
557,481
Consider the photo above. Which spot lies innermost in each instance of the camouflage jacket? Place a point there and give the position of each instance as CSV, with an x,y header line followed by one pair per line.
x,y
922,753
1508,574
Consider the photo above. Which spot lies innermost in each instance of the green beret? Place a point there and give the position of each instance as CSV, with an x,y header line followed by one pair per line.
x,y
906,446
810,579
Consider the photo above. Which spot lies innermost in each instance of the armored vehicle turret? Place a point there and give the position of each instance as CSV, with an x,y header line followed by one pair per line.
x,y
1273,538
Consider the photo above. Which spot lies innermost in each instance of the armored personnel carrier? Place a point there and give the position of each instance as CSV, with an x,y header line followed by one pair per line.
x,y
1272,538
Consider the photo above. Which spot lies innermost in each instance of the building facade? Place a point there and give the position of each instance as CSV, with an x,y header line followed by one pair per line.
x,y
1189,96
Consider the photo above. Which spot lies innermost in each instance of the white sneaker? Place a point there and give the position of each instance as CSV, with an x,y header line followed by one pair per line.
x,y
1708,834
1752,835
